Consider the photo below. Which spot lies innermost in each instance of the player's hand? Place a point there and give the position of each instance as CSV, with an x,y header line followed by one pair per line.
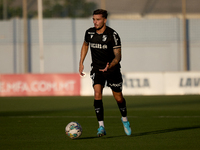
x,y
105,69
81,67
82,74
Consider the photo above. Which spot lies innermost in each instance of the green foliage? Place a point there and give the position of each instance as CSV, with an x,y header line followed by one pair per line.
x,y
68,8
14,11
52,9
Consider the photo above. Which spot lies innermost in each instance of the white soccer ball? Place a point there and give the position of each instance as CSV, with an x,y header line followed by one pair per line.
x,y
73,130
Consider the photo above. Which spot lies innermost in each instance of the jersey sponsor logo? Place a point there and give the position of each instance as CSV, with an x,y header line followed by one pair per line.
x,y
99,46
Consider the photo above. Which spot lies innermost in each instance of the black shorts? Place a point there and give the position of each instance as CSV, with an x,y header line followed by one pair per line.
x,y
113,79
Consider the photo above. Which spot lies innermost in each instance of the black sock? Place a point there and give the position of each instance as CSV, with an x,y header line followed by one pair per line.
x,y
98,105
122,108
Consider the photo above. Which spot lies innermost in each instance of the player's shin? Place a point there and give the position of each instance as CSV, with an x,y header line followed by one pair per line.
x,y
98,105
123,110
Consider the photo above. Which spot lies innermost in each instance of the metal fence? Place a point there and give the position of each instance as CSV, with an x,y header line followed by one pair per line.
x,y
154,36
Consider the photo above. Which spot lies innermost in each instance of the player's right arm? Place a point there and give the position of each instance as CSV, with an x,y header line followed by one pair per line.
x,y
84,51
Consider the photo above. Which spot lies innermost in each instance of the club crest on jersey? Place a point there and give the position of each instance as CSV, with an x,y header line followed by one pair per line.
x,y
104,38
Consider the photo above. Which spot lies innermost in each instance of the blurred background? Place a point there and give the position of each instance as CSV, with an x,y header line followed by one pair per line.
x,y
45,36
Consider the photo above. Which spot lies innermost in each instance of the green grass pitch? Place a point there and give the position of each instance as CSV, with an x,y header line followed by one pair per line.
x,y
157,122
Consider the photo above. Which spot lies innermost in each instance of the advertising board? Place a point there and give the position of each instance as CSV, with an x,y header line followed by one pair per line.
x,y
39,85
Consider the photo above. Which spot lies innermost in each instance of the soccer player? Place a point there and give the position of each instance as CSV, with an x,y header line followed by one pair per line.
x,y
105,46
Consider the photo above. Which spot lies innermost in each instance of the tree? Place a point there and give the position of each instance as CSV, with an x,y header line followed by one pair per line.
x,y
67,8
14,11
51,9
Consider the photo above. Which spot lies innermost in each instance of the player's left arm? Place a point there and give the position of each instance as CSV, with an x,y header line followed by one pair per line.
x,y
115,61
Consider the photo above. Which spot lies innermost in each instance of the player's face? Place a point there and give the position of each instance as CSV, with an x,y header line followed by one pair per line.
x,y
99,21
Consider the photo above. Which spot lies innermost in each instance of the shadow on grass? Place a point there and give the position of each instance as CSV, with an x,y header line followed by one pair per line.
x,y
86,138
166,131
31,113
103,137
146,133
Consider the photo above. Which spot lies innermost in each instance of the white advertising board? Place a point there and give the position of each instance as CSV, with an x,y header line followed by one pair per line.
x,y
179,83
133,84
143,84
167,83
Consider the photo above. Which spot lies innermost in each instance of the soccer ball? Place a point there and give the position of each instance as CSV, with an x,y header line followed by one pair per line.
x,y
73,130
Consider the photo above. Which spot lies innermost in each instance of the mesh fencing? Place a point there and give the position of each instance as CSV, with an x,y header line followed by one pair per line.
x,y
151,32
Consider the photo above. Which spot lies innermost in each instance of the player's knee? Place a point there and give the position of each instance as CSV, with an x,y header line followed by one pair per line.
x,y
98,95
119,99
118,96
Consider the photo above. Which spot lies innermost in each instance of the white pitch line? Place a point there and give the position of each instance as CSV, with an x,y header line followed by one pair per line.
x,y
176,116
104,117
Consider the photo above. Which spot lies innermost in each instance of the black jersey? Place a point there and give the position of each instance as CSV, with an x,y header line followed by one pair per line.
x,y
102,45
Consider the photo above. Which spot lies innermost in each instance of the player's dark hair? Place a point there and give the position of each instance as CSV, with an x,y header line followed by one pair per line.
x,y
101,11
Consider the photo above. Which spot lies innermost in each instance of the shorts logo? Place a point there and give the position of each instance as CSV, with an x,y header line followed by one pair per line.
x,y
115,85
92,77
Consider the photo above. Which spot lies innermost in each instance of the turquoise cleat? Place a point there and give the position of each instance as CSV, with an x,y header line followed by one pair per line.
x,y
127,128
101,131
